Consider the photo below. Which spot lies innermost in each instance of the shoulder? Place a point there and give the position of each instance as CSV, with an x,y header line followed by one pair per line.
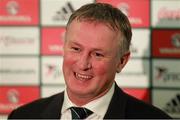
x,y
35,108
135,108
138,109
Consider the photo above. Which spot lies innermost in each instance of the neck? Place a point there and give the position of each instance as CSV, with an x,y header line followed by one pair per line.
x,y
81,100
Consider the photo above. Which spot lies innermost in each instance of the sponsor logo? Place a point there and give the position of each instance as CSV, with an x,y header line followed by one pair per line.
x,y
173,106
17,71
12,9
124,7
6,108
58,47
163,74
55,48
13,101
52,70
168,14
53,40
13,96
8,40
175,41
64,13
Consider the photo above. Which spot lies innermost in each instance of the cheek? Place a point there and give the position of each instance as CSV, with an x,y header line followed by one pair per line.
x,y
102,68
68,62
105,70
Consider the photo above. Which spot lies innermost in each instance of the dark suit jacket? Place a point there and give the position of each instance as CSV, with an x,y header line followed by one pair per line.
x,y
121,106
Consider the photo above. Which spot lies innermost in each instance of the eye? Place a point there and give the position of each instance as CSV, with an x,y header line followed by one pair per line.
x,y
75,49
98,54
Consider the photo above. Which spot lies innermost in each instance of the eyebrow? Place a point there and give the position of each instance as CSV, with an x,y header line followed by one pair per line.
x,y
94,49
75,43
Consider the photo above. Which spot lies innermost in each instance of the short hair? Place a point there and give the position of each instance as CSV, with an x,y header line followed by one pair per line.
x,y
112,16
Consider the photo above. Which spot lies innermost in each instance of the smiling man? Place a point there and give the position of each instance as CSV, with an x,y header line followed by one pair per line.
x,y
90,60
96,47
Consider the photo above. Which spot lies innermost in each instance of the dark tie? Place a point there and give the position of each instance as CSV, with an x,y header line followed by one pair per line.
x,y
80,112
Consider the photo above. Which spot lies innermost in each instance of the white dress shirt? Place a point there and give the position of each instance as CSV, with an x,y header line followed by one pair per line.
x,y
98,106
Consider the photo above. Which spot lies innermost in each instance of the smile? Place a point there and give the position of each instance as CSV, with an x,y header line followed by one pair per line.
x,y
82,76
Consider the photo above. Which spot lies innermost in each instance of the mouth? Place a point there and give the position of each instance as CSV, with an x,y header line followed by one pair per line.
x,y
82,77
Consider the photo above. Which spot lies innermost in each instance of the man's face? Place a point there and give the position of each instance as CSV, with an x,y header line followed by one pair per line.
x,y
90,59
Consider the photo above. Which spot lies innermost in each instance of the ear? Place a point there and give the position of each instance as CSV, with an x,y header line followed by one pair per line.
x,y
122,62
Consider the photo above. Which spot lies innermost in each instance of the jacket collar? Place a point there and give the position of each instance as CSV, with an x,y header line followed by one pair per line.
x,y
115,110
53,110
117,105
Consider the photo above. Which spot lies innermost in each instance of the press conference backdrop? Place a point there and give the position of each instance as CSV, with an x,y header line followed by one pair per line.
x,y
31,49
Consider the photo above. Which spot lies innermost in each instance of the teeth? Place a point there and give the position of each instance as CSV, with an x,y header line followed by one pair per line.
x,y
83,77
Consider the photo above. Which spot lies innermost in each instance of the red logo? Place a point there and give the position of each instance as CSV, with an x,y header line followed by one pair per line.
x,y
12,7
166,43
13,97
19,12
52,41
136,10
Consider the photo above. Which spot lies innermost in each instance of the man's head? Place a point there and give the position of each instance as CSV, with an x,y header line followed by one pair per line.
x,y
96,47
109,15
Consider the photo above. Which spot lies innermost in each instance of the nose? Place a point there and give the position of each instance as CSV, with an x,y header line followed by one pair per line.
x,y
84,62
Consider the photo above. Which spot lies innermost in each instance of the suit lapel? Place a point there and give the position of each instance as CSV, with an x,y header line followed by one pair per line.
x,y
53,110
117,105
115,110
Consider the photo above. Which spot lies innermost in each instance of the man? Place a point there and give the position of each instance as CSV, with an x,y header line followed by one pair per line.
x,y
96,47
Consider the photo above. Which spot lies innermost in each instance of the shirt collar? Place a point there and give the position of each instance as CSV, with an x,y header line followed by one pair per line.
x,y
98,106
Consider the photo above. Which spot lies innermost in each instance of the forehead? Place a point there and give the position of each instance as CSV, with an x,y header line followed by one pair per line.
x,y
92,35
98,29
